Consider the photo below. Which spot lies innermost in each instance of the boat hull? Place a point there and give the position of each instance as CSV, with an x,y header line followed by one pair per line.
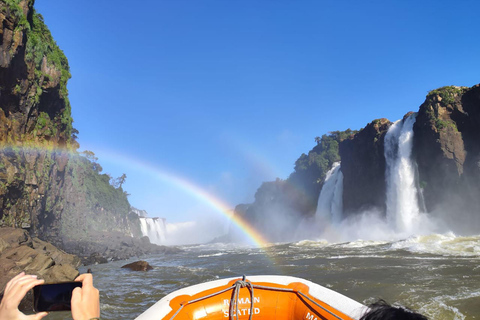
x,y
273,297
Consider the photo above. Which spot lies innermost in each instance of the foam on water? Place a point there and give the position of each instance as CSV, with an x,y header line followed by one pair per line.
x,y
311,243
362,243
218,254
442,244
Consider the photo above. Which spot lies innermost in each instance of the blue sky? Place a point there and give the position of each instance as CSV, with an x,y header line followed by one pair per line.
x,y
227,94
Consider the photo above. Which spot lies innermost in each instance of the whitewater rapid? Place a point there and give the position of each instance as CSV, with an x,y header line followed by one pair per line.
x,y
436,274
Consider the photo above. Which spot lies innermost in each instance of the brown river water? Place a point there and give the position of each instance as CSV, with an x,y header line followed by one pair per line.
x,y
437,275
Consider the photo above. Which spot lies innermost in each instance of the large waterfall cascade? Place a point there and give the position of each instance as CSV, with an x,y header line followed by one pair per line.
x,y
154,229
402,194
330,201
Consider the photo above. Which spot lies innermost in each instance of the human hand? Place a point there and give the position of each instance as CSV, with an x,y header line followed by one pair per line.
x,y
85,300
15,290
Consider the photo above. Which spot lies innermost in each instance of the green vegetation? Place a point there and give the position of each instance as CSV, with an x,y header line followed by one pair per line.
x,y
320,159
100,195
49,63
311,169
42,121
447,93
40,45
439,123
299,193
17,11
442,124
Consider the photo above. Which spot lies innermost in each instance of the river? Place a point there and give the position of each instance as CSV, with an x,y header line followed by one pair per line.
x,y
437,275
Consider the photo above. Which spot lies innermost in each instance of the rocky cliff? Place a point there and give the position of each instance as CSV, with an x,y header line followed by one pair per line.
x,y
363,168
280,204
446,149
46,186
35,120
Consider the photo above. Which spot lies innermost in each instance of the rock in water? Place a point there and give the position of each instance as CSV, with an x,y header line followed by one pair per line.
x,y
138,266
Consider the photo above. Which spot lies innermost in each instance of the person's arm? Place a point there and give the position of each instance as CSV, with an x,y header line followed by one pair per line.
x,y
15,290
85,300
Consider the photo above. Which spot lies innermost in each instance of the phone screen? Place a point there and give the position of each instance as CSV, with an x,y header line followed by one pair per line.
x,y
53,297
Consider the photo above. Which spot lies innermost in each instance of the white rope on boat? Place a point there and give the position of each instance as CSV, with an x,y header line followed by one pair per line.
x,y
234,302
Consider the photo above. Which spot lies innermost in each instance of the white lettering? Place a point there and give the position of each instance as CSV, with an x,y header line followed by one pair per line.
x,y
243,300
226,302
246,311
310,316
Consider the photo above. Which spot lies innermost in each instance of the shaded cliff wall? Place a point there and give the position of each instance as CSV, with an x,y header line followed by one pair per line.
x,y
34,112
45,185
363,168
447,150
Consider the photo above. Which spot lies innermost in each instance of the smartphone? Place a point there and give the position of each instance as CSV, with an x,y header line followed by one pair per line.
x,y
54,297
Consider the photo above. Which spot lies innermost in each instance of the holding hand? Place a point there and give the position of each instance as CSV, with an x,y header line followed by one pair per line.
x,y
85,300
15,290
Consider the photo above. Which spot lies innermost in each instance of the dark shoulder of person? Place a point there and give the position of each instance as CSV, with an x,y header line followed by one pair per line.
x,y
381,310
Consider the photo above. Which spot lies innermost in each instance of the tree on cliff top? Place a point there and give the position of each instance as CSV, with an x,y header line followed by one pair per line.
x,y
311,169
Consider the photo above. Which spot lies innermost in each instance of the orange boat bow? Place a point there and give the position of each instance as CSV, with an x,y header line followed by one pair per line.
x,y
257,298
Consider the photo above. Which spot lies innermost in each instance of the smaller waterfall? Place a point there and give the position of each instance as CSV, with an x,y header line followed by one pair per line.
x,y
154,229
402,197
330,201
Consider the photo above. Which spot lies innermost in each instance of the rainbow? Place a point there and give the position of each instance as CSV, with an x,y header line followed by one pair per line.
x,y
189,187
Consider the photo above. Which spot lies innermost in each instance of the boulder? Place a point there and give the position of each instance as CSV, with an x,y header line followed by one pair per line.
x,y
59,256
138,266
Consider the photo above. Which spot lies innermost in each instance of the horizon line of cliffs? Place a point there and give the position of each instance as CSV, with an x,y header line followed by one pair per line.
x,y
65,199
446,150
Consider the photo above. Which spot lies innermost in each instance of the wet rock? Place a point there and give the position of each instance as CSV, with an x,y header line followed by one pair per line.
x,y
19,252
138,266
94,258
59,256
113,246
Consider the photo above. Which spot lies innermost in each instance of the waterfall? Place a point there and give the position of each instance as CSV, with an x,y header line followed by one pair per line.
x,y
330,201
154,229
402,197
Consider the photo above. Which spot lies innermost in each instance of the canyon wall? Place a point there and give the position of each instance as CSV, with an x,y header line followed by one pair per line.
x,y
446,164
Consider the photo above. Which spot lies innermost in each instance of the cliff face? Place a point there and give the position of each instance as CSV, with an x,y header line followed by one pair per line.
x,y
363,168
34,113
447,150
46,187
279,205
92,204
33,79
